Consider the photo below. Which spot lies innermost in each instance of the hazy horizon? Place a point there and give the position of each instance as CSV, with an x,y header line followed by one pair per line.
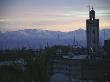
x,y
54,15
51,30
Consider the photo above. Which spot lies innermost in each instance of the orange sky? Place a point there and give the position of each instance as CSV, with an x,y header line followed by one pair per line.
x,y
63,15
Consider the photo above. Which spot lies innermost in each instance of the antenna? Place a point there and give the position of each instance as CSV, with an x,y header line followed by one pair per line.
x,y
47,44
90,4
104,34
92,7
58,36
74,37
89,7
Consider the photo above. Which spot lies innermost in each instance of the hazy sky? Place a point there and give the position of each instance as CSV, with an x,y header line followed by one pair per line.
x,y
57,15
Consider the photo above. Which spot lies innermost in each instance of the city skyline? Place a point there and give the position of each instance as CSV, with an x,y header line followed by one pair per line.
x,y
55,15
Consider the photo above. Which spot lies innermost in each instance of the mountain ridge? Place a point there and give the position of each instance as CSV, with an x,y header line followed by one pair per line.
x,y
39,38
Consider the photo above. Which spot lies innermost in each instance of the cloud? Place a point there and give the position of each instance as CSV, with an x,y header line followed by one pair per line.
x,y
51,14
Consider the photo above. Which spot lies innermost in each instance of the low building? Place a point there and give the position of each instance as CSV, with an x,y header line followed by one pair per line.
x,y
78,67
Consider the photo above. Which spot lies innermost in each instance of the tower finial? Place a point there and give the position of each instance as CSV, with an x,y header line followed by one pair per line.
x,y
92,7
89,7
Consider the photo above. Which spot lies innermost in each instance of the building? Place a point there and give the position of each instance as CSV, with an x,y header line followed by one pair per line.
x,y
77,67
69,65
92,32
107,58
107,46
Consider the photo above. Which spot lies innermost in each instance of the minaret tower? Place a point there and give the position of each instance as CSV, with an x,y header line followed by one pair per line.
x,y
92,31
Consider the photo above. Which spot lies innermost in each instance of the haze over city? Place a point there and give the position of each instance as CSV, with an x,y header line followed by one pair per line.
x,y
55,15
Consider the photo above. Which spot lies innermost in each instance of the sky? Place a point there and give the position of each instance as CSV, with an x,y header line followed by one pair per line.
x,y
55,15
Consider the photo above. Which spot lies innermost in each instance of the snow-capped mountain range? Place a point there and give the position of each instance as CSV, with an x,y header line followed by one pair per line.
x,y
32,38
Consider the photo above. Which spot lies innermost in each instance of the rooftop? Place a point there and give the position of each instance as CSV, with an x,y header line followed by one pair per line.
x,y
76,57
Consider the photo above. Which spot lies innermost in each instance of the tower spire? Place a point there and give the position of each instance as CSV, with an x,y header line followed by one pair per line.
x,y
92,7
92,26
92,14
89,10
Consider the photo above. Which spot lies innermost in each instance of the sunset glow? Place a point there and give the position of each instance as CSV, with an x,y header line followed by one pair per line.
x,y
63,15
